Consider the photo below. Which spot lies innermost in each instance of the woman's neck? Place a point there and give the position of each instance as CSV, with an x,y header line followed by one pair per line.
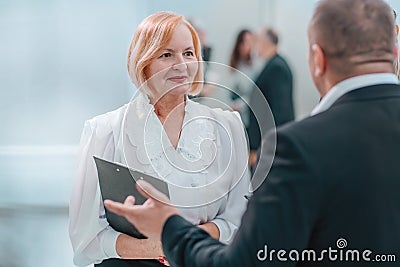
x,y
169,105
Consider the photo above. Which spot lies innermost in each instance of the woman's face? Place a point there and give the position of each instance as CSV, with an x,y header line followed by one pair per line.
x,y
246,45
174,70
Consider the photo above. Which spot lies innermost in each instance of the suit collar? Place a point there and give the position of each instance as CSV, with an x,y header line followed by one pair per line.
x,y
370,92
352,84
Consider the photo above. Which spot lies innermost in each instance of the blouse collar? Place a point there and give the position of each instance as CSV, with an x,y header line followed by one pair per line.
x,y
153,148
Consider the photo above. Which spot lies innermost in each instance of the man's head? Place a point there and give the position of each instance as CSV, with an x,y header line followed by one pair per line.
x,y
350,38
267,42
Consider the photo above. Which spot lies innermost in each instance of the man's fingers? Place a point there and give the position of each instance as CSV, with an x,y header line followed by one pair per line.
x,y
116,207
130,201
149,191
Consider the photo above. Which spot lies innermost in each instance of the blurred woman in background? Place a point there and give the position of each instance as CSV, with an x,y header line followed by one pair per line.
x,y
244,66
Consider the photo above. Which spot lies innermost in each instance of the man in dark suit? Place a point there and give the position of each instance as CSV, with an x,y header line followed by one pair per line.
x,y
332,196
275,82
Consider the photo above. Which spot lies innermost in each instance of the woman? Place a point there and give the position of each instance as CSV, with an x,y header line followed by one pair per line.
x,y
241,54
163,133
244,68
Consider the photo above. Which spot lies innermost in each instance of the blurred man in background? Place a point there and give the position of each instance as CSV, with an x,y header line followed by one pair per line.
x,y
276,84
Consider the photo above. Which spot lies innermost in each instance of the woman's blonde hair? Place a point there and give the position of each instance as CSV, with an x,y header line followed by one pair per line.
x,y
149,41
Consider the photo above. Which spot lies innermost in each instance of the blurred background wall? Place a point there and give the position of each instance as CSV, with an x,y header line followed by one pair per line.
x,y
62,62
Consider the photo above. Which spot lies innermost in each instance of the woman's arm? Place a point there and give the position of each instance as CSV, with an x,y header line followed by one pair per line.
x,y
132,248
229,217
93,240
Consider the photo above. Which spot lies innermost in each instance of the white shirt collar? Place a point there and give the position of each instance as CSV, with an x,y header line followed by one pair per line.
x,y
352,84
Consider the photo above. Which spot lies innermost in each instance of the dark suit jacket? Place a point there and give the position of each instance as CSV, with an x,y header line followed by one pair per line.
x,y
276,84
335,175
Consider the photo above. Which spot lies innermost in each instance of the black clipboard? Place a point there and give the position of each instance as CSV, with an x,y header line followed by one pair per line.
x,y
117,182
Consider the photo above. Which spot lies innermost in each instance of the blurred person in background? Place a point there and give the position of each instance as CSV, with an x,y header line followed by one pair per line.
x,y
163,133
211,95
206,49
276,84
244,65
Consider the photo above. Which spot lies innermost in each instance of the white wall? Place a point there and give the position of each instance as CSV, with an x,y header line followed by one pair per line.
x,y
62,62
291,21
395,4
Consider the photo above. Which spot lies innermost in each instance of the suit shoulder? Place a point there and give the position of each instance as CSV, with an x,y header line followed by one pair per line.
x,y
280,62
304,124
314,129
276,65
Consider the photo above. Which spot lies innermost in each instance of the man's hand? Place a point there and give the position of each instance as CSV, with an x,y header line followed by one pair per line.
x,y
148,218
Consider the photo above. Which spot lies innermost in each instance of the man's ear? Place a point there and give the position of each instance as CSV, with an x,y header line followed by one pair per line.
x,y
319,60
397,30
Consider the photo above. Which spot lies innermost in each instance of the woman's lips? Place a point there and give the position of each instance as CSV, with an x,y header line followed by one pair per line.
x,y
178,79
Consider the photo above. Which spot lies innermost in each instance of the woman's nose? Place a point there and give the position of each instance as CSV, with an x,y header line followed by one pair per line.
x,y
180,63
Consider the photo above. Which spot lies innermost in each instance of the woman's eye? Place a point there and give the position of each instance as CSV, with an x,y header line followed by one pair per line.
x,y
166,55
189,54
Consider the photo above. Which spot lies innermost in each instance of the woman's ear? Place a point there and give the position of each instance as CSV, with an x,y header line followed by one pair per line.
x,y
319,60
397,30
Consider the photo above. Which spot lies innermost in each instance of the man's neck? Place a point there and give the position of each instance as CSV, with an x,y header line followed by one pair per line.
x,y
364,69
267,54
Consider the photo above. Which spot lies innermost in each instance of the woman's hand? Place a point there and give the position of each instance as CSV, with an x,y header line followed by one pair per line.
x,y
132,248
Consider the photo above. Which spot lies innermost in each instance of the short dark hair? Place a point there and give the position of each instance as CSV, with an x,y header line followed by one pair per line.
x,y
272,36
353,29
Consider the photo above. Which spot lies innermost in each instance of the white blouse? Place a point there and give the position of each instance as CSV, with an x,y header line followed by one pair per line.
x,y
207,173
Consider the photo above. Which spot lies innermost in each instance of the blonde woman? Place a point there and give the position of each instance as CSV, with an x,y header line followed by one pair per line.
x,y
201,152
